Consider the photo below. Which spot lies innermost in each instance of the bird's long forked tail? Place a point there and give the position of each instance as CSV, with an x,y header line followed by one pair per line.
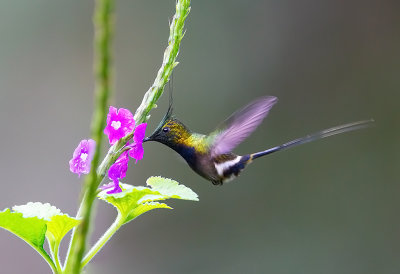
x,y
316,136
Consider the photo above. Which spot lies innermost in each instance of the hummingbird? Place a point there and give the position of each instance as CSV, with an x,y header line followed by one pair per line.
x,y
211,155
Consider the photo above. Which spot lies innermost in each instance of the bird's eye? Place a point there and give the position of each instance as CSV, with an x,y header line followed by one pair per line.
x,y
166,129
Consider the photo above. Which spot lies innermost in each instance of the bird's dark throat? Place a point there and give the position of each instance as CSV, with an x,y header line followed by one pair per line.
x,y
187,153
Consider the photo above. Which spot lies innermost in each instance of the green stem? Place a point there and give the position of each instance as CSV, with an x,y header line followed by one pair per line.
x,y
53,247
103,32
56,257
176,33
103,240
48,260
103,18
78,215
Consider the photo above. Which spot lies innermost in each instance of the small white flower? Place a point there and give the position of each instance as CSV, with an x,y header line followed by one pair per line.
x,y
39,210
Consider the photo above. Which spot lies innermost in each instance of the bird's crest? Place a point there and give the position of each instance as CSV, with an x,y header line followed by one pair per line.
x,y
170,130
167,115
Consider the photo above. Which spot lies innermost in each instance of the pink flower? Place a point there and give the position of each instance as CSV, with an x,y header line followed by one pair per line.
x,y
116,172
82,157
119,123
137,146
115,188
119,168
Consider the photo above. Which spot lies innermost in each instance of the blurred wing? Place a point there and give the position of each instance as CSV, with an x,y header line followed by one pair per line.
x,y
240,125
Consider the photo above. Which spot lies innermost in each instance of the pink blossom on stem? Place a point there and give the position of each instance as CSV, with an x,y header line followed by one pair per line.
x,y
82,157
137,151
114,186
118,171
119,123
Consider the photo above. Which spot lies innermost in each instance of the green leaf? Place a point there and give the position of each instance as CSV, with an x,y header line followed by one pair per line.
x,y
171,188
35,221
59,225
143,208
37,209
134,201
32,230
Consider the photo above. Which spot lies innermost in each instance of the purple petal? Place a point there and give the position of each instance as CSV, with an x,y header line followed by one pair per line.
x,y
112,114
117,188
107,186
119,168
82,157
137,151
140,132
91,149
114,185
126,118
119,123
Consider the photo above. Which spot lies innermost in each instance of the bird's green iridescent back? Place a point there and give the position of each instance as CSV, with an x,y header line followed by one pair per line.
x,y
201,142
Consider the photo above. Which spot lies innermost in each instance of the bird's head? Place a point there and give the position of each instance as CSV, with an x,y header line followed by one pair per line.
x,y
170,131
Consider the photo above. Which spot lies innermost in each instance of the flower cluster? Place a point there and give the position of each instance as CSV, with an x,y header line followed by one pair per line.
x,y
120,122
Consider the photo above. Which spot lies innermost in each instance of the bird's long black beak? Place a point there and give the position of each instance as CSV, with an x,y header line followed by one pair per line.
x,y
150,138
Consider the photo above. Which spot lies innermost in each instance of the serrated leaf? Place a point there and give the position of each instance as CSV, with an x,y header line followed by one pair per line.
x,y
31,229
126,200
33,222
59,225
171,188
143,208
134,201
37,209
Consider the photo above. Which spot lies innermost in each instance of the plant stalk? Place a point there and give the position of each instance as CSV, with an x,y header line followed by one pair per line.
x,y
103,36
103,240
103,25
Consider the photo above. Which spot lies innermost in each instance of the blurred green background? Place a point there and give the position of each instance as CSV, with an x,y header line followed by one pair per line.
x,y
327,207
